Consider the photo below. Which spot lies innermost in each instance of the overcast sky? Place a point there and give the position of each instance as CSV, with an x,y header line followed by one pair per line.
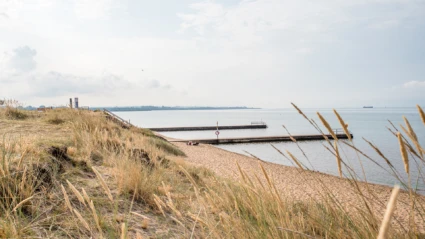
x,y
262,53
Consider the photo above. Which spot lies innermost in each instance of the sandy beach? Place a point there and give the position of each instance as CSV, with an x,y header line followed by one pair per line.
x,y
298,184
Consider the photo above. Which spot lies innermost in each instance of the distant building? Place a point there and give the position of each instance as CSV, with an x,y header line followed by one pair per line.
x,y
44,108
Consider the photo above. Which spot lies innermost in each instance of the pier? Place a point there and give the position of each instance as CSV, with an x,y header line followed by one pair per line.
x,y
241,140
203,128
262,139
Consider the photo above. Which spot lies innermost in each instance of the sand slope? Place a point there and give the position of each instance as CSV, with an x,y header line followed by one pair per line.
x,y
300,184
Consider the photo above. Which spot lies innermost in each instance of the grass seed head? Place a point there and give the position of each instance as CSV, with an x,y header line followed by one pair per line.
x,y
67,202
95,216
343,125
82,220
410,129
403,152
421,113
78,194
103,183
328,127
294,159
85,195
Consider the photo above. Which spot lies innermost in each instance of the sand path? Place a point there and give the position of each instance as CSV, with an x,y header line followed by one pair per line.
x,y
297,183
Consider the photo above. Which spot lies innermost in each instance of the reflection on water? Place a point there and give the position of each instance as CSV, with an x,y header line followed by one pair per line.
x,y
368,123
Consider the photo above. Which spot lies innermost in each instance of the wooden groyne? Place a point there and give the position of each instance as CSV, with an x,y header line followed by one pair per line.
x,y
261,139
111,116
203,128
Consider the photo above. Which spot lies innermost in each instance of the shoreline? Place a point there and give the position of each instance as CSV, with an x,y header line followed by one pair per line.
x,y
298,184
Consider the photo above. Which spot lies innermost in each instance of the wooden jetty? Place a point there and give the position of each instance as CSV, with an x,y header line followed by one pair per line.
x,y
111,116
203,128
261,139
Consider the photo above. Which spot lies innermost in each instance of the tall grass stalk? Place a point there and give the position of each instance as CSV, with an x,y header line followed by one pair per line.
x,y
386,222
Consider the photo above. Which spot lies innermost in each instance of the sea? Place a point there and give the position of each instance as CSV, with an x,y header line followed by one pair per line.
x,y
372,124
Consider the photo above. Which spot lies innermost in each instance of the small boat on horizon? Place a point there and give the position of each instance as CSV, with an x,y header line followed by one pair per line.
x,y
368,107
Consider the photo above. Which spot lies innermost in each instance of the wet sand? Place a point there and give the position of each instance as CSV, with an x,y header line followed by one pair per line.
x,y
301,184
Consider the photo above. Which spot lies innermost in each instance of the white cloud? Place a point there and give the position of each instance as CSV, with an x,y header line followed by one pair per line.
x,y
304,50
270,49
9,8
257,16
22,59
251,19
156,84
58,84
12,8
3,15
207,13
414,84
385,24
19,61
18,72
94,9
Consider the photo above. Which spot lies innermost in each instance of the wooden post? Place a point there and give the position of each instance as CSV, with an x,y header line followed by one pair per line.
x,y
217,132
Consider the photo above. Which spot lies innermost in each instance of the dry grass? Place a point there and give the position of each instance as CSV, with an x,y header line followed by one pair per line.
x,y
386,222
136,185
13,111
30,169
15,114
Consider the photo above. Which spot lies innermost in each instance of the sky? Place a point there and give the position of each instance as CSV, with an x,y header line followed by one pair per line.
x,y
256,53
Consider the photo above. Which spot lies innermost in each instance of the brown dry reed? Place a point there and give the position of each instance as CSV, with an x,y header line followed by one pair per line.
x,y
22,203
403,152
103,184
294,159
77,194
386,222
82,220
328,127
338,158
67,202
410,130
343,125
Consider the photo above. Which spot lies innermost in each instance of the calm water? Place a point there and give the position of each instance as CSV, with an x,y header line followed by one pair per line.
x,y
368,123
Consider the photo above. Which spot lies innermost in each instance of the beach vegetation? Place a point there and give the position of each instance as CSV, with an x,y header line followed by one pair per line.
x,y
76,174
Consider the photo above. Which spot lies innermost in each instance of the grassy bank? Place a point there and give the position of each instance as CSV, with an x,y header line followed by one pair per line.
x,y
67,173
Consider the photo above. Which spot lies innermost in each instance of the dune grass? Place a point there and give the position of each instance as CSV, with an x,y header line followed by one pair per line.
x,y
102,181
15,114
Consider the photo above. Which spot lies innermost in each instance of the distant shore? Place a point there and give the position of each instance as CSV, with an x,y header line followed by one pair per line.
x,y
157,108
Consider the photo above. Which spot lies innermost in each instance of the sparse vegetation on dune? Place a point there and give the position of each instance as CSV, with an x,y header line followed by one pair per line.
x,y
12,111
15,114
75,174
